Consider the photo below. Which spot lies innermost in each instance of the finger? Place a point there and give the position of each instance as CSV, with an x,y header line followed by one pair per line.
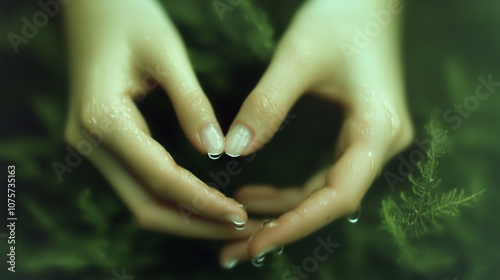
x,y
167,62
345,184
155,216
154,167
268,200
237,251
234,253
293,69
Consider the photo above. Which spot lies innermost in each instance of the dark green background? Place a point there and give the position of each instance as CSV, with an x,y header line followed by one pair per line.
x,y
79,229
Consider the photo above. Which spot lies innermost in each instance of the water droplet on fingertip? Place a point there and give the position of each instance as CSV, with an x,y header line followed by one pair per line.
x,y
280,250
239,226
354,217
214,156
258,262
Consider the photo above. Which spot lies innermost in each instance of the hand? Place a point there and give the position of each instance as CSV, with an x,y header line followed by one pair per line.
x,y
113,44
377,124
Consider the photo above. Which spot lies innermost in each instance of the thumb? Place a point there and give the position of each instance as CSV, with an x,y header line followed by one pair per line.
x,y
290,73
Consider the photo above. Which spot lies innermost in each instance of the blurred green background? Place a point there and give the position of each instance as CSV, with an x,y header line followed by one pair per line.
x,y
79,228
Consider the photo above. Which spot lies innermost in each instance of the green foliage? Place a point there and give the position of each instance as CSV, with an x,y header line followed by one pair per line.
x,y
79,228
75,249
279,265
417,214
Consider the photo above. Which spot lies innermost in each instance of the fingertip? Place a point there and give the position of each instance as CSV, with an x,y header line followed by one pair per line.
x,y
238,221
261,244
229,263
233,253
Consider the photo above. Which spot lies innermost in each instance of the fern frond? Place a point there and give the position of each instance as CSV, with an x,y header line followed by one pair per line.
x,y
419,212
394,220
449,203
426,179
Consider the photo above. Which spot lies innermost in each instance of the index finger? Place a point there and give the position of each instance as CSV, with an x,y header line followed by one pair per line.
x,y
153,166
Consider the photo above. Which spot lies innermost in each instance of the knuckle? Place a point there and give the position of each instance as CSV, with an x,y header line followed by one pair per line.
x,y
401,129
265,103
406,133
398,129
363,129
195,99
387,126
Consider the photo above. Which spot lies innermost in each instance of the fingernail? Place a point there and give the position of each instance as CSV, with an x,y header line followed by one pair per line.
x,y
237,140
258,260
213,140
239,222
228,264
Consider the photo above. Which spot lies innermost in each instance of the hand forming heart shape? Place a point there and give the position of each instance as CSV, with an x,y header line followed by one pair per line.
x,y
110,50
